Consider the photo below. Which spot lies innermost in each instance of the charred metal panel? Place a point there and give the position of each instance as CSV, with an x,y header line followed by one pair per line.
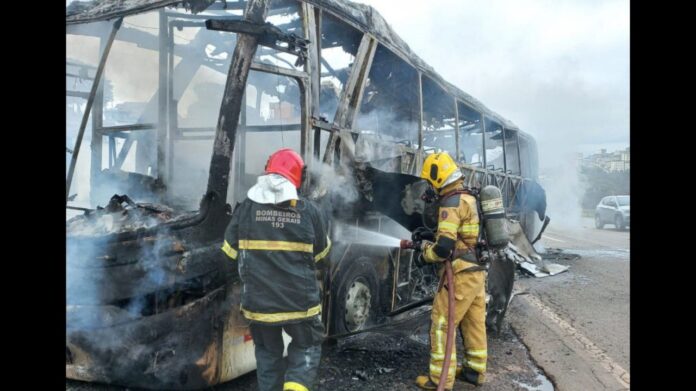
x,y
90,11
175,350
268,35
397,196
145,305
126,275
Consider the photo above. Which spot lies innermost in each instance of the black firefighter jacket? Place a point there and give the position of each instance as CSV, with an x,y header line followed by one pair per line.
x,y
276,247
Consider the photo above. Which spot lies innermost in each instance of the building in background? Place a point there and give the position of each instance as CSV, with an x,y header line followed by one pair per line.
x,y
617,161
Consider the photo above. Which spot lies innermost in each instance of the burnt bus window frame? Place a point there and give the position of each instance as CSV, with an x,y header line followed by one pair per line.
x,y
105,34
301,77
181,132
533,157
350,36
525,157
329,154
463,110
489,128
510,153
279,9
239,171
434,104
167,121
128,132
385,60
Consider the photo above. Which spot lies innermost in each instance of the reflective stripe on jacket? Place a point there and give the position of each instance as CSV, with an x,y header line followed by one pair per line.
x,y
276,247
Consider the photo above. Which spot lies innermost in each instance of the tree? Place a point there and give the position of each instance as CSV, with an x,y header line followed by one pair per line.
x,y
599,184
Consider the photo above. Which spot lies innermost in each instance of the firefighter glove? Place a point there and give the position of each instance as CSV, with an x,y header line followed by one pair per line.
x,y
424,245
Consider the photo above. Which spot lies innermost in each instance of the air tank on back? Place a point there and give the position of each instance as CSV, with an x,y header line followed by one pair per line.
x,y
494,220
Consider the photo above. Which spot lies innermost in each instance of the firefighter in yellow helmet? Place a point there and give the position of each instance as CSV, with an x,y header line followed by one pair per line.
x,y
456,237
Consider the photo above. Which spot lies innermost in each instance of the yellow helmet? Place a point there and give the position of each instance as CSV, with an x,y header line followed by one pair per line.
x,y
437,168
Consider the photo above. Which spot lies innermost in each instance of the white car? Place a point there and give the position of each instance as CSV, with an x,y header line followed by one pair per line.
x,y
613,210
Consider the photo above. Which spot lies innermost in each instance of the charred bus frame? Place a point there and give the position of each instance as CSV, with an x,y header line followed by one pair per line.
x,y
184,327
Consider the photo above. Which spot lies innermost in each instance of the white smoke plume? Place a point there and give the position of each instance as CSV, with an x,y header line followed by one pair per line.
x,y
559,176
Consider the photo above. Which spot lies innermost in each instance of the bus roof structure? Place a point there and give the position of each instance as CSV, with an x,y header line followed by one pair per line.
x,y
362,16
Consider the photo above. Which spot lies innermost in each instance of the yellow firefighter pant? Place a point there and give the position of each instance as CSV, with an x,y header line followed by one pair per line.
x,y
469,316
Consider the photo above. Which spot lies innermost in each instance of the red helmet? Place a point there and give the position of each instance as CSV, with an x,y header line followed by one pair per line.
x,y
287,163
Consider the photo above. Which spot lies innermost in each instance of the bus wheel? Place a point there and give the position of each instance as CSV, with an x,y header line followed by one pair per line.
x,y
356,297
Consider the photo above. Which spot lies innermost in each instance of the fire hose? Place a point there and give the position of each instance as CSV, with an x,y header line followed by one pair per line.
x,y
450,325
407,244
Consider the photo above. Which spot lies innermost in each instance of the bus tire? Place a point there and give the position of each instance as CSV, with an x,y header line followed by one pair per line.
x,y
357,297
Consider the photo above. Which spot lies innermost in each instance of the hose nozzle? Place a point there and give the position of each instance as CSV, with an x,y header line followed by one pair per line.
x,y
407,244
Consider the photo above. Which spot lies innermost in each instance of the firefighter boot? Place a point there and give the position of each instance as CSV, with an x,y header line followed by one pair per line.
x,y
425,383
471,377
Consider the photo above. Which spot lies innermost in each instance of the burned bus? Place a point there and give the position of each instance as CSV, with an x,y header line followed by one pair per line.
x,y
172,109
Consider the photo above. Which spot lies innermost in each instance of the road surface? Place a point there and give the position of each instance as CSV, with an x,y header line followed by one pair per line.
x,y
576,324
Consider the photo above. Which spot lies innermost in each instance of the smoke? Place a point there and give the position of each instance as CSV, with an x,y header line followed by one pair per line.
x,y
154,273
81,282
99,325
89,263
371,147
338,186
385,124
559,176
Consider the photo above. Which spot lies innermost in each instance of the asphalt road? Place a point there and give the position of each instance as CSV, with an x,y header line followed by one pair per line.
x,y
576,324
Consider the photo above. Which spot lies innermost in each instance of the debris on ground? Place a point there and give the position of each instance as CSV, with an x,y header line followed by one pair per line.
x,y
558,254
391,362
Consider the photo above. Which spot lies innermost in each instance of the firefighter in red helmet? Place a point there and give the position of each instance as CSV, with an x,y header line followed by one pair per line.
x,y
276,238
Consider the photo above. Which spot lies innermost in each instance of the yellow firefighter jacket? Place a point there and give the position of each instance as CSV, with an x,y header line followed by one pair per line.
x,y
457,229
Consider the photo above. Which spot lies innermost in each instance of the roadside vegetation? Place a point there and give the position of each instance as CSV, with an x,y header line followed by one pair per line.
x,y
599,183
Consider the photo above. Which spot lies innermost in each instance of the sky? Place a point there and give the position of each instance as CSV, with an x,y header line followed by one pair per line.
x,y
558,69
